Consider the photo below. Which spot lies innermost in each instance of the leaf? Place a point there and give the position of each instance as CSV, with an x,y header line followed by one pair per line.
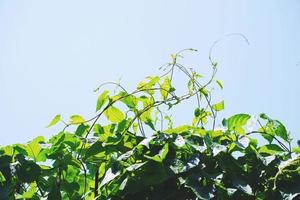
x,y
30,192
109,176
94,149
135,166
276,126
114,115
237,121
197,112
102,99
146,85
145,142
81,129
243,186
2,178
220,84
178,129
270,149
76,119
123,184
130,101
34,149
296,150
163,153
280,130
54,121
165,88
218,106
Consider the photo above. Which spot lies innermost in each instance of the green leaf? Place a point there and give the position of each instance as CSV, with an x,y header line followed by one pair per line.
x,y
102,99
135,166
34,149
220,84
81,129
146,85
76,119
197,112
54,121
296,150
218,106
237,121
114,115
178,129
280,130
2,178
275,126
109,176
161,155
94,149
165,88
130,101
270,149
30,192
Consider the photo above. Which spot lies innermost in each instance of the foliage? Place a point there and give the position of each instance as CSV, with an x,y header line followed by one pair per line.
x,y
109,155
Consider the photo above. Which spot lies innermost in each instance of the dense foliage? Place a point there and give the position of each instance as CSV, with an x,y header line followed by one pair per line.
x,y
110,156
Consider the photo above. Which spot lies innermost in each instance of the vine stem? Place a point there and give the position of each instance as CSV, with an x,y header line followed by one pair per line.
x,y
96,183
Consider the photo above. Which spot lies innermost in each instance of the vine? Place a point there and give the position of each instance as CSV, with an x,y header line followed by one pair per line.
x,y
113,155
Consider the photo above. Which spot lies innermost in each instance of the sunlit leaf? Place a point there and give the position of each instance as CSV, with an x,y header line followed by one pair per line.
x,y
270,149
165,88
109,176
218,106
54,121
102,99
33,149
238,120
76,119
113,114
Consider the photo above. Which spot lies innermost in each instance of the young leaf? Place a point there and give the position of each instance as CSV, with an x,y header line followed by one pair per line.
x,y
102,99
218,106
34,149
54,121
238,120
114,115
220,84
165,88
76,119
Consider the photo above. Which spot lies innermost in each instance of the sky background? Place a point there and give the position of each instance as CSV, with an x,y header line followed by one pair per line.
x,y
54,53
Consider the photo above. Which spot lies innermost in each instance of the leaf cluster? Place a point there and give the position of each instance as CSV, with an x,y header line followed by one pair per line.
x,y
110,156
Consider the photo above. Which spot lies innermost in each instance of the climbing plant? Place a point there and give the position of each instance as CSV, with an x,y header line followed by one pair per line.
x,y
130,149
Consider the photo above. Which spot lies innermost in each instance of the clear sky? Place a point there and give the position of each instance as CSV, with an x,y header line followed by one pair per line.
x,y
54,53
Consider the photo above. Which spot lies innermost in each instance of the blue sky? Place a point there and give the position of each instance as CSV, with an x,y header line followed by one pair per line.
x,y
54,53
